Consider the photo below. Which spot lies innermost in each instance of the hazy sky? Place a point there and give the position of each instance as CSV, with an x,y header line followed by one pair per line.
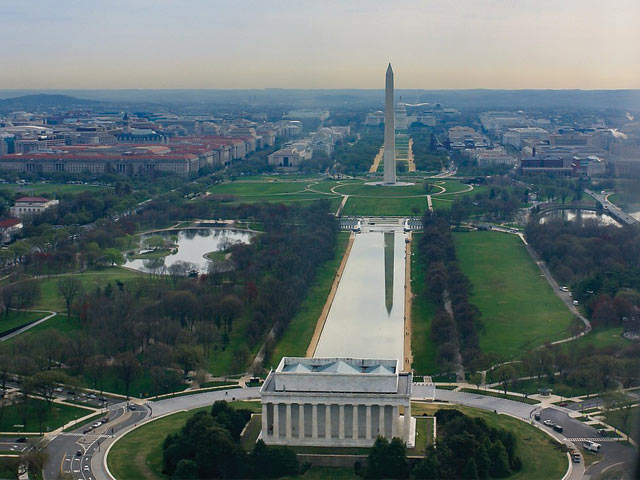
x,y
319,44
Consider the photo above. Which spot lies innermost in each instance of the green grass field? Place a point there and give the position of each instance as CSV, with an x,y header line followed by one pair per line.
x,y
616,419
422,311
519,309
18,319
515,398
531,386
384,206
50,298
296,338
380,191
541,456
58,322
53,418
601,338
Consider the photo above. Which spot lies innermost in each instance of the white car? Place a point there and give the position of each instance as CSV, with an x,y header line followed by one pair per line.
x,y
592,446
575,303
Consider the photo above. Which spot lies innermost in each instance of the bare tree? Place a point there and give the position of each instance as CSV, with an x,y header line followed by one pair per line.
x,y
69,288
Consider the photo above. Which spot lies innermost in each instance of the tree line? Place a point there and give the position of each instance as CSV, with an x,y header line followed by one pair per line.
x,y
456,323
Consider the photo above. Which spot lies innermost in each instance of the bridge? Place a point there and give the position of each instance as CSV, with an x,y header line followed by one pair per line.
x,y
602,205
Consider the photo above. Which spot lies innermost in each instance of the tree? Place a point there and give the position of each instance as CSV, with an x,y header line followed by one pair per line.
x,y
476,379
505,374
69,288
387,459
189,357
113,256
127,368
499,460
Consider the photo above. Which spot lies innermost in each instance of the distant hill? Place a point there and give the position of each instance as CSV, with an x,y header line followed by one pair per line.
x,y
44,101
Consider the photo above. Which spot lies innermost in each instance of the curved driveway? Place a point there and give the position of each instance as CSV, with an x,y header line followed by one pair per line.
x,y
96,456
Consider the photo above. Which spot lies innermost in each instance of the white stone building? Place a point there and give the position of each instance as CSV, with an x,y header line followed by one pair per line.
x,y
26,206
338,402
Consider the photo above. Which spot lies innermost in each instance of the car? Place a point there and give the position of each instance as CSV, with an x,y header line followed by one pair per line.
x,y
104,420
86,468
59,390
103,399
79,453
558,428
21,440
131,407
602,432
575,456
564,289
96,425
537,416
86,430
576,303
549,423
92,396
592,446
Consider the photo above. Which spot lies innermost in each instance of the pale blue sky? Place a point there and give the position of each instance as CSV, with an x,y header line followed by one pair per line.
x,y
319,44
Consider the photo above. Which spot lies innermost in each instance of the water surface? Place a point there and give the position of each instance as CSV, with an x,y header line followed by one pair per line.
x,y
366,319
192,244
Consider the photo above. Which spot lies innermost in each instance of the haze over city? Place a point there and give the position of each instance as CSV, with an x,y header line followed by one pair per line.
x,y
329,44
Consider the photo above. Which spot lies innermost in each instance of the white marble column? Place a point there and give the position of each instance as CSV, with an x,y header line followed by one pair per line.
x,y
287,420
407,421
341,423
265,423
381,420
301,420
368,423
314,420
327,421
355,434
394,422
276,421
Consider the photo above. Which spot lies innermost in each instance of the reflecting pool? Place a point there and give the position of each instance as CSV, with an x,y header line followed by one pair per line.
x,y
366,319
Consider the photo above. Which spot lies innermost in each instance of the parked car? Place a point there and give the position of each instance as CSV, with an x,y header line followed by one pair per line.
x,y
549,423
558,428
86,430
575,456
79,453
575,302
602,432
537,417
21,440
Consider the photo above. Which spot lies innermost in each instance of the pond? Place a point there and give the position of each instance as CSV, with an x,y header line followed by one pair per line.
x,y
366,319
579,215
192,244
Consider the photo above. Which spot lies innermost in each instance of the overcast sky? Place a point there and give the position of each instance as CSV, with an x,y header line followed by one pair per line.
x,y
319,44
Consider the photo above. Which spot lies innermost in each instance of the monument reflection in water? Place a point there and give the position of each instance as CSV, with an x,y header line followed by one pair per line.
x,y
366,319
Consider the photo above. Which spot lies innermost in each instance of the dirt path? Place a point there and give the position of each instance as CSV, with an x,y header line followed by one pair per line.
x,y
408,297
410,158
377,160
327,306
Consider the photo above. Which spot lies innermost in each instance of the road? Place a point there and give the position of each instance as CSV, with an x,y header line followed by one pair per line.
x,y
90,464
73,452
611,208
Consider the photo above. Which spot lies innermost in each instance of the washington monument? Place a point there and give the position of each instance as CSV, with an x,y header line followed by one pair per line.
x,y
389,131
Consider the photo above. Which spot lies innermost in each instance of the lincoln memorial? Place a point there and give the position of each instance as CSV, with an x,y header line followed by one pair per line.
x,y
341,402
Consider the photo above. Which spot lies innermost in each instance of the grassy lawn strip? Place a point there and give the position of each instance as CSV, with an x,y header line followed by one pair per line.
x,y
515,398
17,319
422,312
54,417
519,309
600,338
542,457
296,338
615,419
531,386
424,436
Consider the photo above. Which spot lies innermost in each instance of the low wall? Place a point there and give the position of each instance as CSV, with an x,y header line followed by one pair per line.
x,y
320,460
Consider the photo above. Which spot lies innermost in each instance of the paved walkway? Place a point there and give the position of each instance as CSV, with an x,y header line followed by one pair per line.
x,y
408,298
377,160
31,325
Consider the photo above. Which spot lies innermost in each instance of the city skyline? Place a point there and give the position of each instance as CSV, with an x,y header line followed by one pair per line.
x,y
435,45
